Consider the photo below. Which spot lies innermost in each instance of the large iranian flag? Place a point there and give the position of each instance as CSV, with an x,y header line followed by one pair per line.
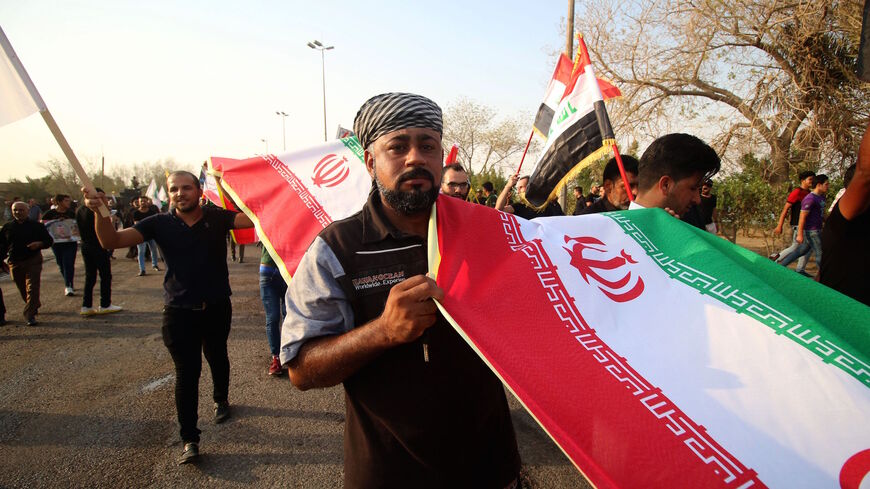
x,y
658,355
292,197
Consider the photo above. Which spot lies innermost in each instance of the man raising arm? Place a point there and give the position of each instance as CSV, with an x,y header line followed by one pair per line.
x,y
197,310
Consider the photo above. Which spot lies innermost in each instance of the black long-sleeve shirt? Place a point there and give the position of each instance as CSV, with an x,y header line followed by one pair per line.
x,y
15,236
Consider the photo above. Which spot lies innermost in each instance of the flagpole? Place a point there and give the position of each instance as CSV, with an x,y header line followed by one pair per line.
x,y
601,112
524,152
49,120
622,173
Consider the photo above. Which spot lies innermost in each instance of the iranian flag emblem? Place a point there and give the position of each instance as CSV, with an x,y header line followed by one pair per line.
x,y
293,196
658,355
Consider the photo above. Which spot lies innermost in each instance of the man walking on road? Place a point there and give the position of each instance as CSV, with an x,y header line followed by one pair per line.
x,y
64,250
422,409
23,240
96,261
809,230
793,206
197,310
145,208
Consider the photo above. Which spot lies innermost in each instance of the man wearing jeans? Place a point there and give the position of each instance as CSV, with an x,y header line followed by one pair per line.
x,y
809,230
197,310
272,290
145,209
793,206
64,247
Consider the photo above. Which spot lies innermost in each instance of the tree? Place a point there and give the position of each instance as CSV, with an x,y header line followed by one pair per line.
x,y
484,143
781,72
748,202
31,188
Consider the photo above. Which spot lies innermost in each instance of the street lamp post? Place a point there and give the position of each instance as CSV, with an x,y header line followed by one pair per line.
x,y
283,126
320,47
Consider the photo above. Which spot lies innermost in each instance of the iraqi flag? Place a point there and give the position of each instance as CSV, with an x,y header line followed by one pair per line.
x,y
579,133
658,355
292,197
556,90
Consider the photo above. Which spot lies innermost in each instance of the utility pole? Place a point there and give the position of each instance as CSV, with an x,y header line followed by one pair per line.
x,y
569,28
283,126
569,51
317,45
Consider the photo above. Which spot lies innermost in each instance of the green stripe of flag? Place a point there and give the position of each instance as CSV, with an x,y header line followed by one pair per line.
x,y
829,324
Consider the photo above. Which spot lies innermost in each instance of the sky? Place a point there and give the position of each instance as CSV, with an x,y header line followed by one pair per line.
x,y
146,81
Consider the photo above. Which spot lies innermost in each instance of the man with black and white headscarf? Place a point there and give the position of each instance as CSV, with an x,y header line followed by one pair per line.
x,y
422,410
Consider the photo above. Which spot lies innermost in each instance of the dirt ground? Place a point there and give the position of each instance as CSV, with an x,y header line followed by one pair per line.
x,y
765,246
88,402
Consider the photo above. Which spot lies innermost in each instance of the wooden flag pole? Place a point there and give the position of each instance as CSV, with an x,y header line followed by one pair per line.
x,y
67,150
49,120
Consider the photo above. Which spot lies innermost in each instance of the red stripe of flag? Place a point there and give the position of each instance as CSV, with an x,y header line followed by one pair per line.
x,y
618,429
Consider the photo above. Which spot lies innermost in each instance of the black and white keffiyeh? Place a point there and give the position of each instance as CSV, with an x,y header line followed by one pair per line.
x,y
390,112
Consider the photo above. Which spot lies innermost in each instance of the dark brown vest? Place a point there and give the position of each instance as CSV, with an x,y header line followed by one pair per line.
x,y
411,422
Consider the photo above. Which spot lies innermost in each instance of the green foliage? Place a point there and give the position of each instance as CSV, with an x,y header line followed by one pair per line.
x,y
32,188
746,201
489,175
587,176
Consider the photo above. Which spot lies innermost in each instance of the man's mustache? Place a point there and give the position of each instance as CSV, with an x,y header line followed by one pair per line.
x,y
416,173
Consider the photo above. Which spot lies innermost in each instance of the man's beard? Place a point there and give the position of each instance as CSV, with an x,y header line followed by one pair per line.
x,y
188,207
414,201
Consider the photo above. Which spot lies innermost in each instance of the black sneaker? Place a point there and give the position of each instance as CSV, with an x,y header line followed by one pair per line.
x,y
190,454
31,321
141,273
221,412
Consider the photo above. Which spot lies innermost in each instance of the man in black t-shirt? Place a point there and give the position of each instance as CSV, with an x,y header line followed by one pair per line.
x,y
615,196
708,207
96,261
197,310
846,234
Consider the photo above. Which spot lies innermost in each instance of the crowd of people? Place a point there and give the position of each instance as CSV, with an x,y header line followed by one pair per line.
x,y
323,329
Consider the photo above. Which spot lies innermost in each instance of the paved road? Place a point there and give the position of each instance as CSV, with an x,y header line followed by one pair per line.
x,y
87,402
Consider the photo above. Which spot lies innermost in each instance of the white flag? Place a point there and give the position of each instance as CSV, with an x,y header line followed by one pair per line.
x,y
151,193
162,195
16,101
